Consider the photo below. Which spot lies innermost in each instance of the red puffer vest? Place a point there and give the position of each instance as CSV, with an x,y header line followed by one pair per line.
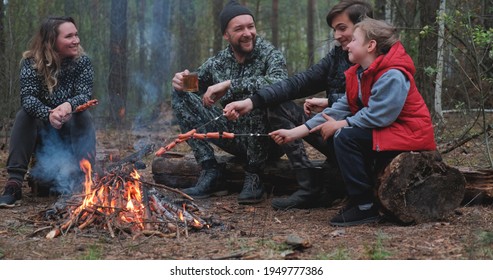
x,y
413,129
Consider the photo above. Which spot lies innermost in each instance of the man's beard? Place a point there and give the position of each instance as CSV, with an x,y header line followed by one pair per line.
x,y
237,48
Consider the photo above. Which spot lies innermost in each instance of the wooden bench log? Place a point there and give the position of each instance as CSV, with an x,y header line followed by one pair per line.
x,y
414,187
479,185
179,170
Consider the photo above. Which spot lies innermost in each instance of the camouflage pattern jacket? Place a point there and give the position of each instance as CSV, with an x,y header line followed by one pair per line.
x,y
327,75
265,65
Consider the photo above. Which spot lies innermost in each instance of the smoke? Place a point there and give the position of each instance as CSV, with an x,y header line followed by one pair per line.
x,y
148,103
55,164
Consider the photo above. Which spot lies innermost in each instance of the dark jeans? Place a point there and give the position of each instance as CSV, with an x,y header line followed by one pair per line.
x,y
358,162
76,138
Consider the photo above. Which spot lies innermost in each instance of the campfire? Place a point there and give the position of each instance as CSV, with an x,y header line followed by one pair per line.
x,y
119,202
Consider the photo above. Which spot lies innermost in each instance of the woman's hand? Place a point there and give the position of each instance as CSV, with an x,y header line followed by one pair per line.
x,y
315,105
60,115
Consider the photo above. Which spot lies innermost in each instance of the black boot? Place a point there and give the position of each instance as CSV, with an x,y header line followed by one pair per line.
x,y
309,195
12,194
253,189
207,185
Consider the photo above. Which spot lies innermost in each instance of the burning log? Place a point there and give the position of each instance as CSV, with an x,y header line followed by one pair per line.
x,y
120,202
132,159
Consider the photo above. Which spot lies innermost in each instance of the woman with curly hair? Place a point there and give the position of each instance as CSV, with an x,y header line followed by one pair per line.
x,y
56,76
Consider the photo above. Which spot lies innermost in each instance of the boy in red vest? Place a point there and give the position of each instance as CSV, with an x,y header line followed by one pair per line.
x,y
381,115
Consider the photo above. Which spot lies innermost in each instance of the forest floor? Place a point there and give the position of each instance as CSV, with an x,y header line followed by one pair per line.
x,y
255,232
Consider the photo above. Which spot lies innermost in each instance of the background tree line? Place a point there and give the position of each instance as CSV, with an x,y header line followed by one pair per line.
x,y
137,45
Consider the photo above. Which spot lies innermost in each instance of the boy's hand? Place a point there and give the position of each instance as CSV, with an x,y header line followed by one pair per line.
x,y
283,136
329,128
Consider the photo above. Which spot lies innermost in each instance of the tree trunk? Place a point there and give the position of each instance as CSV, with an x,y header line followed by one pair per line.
x,y
161,49
217,6
274,21
440,54
118,77
310,32
141,30
427,50
188,54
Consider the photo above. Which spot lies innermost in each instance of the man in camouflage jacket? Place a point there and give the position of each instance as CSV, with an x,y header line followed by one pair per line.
x,y
235,73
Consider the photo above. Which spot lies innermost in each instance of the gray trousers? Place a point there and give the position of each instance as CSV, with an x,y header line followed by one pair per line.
x,y
77,137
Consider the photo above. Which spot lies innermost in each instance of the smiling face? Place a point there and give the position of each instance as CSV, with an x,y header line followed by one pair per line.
x,y
360,49
241,34
67,41
343,29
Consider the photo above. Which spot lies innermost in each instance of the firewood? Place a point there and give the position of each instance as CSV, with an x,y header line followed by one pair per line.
x,y
53,233
169,189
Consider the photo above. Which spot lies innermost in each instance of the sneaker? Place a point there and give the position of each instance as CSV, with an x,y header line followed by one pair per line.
x,y
352,215
12,194
253,189
207,185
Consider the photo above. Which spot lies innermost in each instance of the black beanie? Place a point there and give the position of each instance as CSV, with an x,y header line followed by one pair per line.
x,y
231,10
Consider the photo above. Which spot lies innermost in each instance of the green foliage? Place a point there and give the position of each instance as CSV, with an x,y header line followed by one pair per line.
x,y
340,253
273,245
94,252
430,71
482,246
376,251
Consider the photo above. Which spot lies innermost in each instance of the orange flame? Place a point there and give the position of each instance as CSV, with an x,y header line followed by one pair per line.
x,y
131,202
123,198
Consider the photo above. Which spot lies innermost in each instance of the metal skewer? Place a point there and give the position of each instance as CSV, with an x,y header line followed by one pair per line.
x,y
213,120
252,135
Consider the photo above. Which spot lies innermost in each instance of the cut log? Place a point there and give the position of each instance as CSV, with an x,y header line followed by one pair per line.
x,y
420,187
179,170
479,185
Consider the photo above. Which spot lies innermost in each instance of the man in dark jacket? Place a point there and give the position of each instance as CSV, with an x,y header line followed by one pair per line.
x,y
328,75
